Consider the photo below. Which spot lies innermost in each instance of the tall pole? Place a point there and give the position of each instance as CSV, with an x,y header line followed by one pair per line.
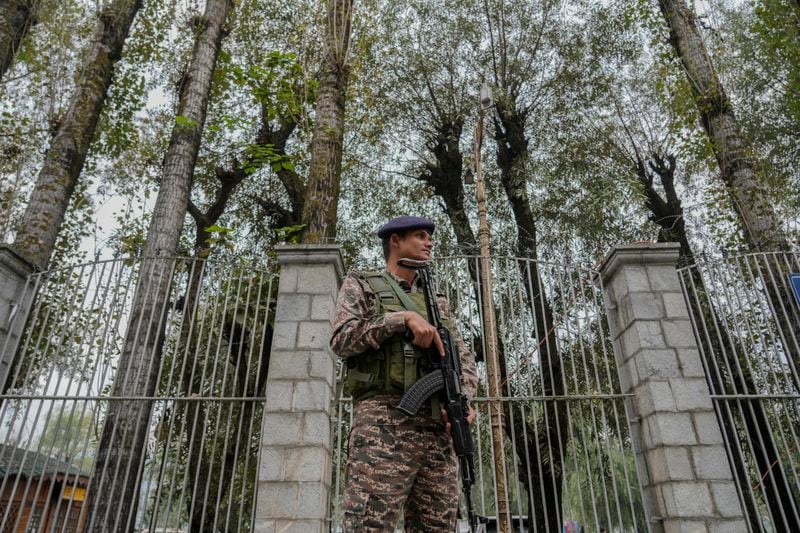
x,y
490,331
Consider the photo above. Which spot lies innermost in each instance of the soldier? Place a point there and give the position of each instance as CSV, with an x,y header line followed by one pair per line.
x,y
397,463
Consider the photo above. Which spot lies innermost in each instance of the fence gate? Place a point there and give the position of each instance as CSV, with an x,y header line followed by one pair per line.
x,y
135,399
747,323
570,466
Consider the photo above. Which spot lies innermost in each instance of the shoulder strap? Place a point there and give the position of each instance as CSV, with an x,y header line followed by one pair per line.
x,y
388,291
401,295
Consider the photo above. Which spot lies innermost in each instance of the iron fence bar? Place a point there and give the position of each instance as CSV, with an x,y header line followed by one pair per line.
x,y
760,299
192,439
185,381
596,383
589,287
710,364
521,318
230,414
485,346
725,306
755,396
596,287
91,300
525,349
191,311
252,344
125,340
506,317
774,342
795,310
83,509
774,374
35,422
74,404
143,398
789,347
188,309
259,369
98,362
151,357
156,357
532,296
578,411
206,412
224,364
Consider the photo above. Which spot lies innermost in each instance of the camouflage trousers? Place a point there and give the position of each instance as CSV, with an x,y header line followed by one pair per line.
x,y
397,464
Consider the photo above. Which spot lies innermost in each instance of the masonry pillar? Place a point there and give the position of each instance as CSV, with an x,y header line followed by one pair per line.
x,y
681,460
294,478
16,298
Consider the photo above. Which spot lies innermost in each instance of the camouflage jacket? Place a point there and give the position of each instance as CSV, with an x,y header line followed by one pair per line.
x,y
356,326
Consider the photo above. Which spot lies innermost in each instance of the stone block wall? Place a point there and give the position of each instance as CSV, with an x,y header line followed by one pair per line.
x,y
681,459
294,478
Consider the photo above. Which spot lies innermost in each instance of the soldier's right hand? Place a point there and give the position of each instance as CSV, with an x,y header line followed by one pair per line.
x,y
423,334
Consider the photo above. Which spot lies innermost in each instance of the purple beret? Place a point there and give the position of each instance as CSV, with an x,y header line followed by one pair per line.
x,y
399,224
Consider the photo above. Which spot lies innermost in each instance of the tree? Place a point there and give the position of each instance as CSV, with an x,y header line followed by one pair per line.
x,y
638,141
523,41
16,18
39,226
70,435
322,190
739,166
125,427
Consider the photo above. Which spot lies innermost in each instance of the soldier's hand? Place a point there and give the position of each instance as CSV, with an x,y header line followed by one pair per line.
x,y
423,333
470,418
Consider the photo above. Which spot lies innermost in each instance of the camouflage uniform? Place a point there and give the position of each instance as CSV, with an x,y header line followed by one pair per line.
x,y
396,462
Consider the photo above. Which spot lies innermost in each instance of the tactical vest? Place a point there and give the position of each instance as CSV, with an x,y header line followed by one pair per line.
x,y
397,364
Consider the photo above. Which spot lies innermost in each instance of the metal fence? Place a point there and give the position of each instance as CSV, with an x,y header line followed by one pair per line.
x,y
746,321
135,398
568,451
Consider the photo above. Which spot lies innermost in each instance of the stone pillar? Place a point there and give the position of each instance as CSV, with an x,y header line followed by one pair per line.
x,y
294,477
16,298
683,468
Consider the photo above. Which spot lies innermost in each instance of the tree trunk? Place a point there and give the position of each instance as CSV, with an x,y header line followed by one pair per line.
x,y
739,167
512,150
322,193
444,176
125,428
39,226
16,18
667,213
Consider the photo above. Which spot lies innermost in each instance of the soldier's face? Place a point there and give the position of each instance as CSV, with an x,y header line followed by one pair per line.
x,y
415,244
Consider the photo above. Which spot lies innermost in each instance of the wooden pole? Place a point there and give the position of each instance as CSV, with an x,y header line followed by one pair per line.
x,y
490,336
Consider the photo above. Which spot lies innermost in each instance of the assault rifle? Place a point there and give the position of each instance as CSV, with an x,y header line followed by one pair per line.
x,y
445,379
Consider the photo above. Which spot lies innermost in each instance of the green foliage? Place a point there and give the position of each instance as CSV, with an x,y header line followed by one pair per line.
x,y
218,237
290,234
277,83
264,155
185,123
71,435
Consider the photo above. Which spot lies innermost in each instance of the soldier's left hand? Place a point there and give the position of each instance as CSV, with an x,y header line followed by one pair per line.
x,y
470,418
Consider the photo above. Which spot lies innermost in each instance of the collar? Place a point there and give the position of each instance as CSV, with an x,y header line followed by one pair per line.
x,y
402,282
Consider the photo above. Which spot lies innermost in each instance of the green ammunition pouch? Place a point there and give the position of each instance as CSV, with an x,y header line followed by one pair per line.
x,y
397,364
